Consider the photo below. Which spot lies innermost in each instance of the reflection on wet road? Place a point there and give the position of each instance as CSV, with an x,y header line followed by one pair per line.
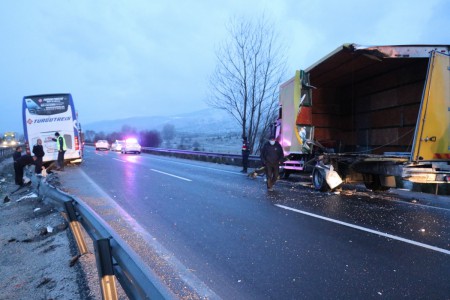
x,y
294,243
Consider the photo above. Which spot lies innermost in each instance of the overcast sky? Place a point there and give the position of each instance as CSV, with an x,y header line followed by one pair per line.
x,y
141,58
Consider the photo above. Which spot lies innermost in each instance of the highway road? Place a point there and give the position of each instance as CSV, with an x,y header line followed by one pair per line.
x,y
230,238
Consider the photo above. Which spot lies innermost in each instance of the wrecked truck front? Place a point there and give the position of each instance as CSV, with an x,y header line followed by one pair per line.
x,y
386,99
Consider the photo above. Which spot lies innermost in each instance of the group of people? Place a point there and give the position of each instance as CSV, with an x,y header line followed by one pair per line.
x,y
271,157
20,161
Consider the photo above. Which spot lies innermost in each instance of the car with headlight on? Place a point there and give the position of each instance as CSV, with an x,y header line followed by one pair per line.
x,y
131,146
102,145
117,145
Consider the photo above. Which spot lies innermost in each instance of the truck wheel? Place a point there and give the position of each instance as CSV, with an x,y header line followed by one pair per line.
x,y
319,181
373,182
285,174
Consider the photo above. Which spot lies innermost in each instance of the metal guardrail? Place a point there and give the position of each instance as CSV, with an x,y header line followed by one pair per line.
x,y
225,158
214,154
114,258
6,152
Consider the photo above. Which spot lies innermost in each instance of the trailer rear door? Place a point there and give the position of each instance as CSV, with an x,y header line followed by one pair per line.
x,y
432,137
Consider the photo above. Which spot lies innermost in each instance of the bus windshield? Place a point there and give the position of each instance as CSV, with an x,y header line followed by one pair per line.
x,y
39,105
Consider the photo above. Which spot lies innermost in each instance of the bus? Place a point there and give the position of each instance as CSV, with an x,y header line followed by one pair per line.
x,y
9,139
43,115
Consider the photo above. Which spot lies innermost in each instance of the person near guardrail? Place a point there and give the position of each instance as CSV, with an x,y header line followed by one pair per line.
x,y
61,146
271,157
22,162
245,154
38,151
16,155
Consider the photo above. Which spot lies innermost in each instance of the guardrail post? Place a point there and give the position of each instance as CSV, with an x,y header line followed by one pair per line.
x,y
75,227
105,269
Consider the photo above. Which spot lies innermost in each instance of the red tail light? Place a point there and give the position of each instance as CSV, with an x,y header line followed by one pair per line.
x,y
27,147
77,144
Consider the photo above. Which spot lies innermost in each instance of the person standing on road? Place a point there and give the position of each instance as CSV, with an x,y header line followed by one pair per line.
x,y
38,151
17,154
245,154
271,156
61,146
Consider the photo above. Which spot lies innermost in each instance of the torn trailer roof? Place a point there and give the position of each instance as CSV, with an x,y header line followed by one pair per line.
x,y
352,62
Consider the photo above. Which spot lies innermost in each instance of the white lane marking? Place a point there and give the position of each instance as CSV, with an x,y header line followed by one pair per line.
x,y
202,167
120,160
168,174
387,235
290,183
285,183
185,274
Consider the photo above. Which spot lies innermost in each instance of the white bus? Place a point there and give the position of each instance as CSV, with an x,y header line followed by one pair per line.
x,y
43,115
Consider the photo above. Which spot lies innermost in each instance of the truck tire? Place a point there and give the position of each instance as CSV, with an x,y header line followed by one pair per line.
x,y
318,180
285,174
373,182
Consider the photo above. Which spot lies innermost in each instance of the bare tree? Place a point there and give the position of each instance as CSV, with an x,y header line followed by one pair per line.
x,y
250,68
90,136
168,133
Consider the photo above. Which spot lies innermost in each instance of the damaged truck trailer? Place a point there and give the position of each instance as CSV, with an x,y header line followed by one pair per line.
x,y
369,114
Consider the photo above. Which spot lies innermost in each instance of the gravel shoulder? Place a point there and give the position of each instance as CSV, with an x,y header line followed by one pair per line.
x,y
38,249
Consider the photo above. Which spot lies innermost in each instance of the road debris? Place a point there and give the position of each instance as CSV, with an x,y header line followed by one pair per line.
x,y
28,196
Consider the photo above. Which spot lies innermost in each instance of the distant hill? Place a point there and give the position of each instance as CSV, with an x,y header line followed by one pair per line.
x,y
206,121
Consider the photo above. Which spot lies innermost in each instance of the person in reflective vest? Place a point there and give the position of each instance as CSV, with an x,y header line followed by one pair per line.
x,y
61,146
245,154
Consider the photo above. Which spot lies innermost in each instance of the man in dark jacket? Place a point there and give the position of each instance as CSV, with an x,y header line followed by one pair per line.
x,y
245,154
271,156
21,162
38,151
17,154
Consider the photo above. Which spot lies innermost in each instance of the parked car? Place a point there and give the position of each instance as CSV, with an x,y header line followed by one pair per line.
x,y
131,145
117,145
102,144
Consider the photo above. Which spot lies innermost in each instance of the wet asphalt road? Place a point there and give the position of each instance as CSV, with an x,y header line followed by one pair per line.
x,y
294,243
